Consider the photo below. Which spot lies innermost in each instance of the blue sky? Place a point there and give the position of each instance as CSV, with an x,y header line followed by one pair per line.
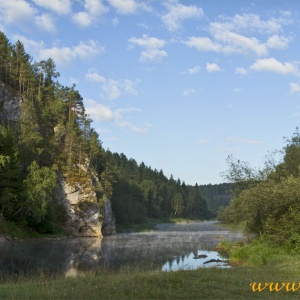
x,y
179,85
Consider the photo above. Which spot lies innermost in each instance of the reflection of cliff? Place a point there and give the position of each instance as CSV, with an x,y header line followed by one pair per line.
x,y
50,256
108,226
72,257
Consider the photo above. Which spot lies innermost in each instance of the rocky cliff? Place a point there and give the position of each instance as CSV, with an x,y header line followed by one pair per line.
x,y
9,106
83,214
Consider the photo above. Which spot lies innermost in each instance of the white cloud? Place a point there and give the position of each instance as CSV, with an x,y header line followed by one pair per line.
x,y
277,42
112,88
98,112
194,70
102,113
273,65
243,34
128,6
177,13
212,67
188,92
59,6
16,11
94,76
45,22
128,86
237,43
152,47
240,71
93,9
116,88
252,22
203,44
65,55
294,87
82,18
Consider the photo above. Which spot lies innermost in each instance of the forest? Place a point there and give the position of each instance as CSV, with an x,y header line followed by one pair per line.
x,y
266,202
53,135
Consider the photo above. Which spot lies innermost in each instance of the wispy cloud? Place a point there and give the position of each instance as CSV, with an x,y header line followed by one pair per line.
x,y
194,70
102,113
212,67
65,55
45,22
58,6
244,141
93,9
241,71
152,47
112,88
294,87
178,12
126,7
239,35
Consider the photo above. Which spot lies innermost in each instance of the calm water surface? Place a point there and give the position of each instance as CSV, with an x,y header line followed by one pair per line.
x,y
170,247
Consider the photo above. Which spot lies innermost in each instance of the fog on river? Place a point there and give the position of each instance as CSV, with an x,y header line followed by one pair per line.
x,y
170,247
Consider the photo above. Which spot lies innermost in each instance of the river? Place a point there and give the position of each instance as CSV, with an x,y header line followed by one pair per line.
x,y
170,247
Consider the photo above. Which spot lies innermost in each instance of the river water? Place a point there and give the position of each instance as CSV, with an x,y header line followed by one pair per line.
x,y
170,247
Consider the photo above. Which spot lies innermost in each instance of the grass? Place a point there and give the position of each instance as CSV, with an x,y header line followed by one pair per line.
x,y
212,283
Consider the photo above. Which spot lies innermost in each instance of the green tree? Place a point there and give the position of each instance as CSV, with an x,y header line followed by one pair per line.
x,y
39,186
10,174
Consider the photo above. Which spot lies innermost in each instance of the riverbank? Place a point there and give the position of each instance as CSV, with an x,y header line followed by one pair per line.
x,y
234,283
151,224
260,269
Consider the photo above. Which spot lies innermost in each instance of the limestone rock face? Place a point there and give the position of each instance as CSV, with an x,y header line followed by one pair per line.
x,y
83,212
9,106
108,226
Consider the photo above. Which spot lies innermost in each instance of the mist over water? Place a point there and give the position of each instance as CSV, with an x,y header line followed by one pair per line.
x,y
170,247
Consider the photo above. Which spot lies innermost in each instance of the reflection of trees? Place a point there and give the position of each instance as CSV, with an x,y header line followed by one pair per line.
x,y
71,256
50,256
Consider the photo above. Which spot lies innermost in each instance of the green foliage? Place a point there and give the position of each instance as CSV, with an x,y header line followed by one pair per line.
x,y
127,202
10,174
257,253
39,186
218,196
270,207
53,129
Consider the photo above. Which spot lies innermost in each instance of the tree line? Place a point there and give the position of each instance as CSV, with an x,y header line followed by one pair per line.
x,y
267,201
54,134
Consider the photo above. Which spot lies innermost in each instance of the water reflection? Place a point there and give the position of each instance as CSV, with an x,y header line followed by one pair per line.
x,y
192,261
170,247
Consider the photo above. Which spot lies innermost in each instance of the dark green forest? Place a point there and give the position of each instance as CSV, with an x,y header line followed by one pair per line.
x,y
53,136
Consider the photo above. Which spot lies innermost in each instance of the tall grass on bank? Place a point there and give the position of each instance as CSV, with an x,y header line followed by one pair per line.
x,y
214,283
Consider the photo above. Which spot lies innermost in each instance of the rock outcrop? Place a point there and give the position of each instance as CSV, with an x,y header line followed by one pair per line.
x,y
9,106
108,226
83,215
